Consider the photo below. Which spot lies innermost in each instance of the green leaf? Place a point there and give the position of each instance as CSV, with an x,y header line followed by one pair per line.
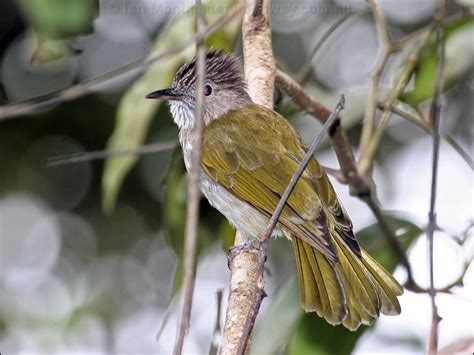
x,y
58,19
278,323
48,51
315,336
227,235
459,54
285,322
54,21
134,113
372,240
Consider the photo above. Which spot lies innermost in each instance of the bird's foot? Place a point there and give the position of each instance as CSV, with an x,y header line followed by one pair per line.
x,y
250,246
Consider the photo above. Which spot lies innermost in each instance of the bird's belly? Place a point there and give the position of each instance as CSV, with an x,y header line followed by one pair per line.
x,y
245,218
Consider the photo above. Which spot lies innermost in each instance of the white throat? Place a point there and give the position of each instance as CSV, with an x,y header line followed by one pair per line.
x,y
183,115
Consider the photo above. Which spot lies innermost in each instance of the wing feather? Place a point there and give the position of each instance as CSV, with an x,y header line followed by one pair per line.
x,y
258,170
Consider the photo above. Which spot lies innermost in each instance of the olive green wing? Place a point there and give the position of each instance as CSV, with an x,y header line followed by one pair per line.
x,y
254,152
339,219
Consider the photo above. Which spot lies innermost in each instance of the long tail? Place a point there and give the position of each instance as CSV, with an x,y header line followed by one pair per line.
x,y
352,291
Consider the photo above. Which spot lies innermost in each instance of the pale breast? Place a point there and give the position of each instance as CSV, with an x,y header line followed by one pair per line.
x,y
245,218
240,214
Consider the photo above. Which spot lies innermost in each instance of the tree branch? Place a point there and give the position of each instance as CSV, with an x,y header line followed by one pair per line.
x,y
369,146
368,124
259,74
435,112
425,125
390,235
357,185
463,345
105,154
259,62
192,213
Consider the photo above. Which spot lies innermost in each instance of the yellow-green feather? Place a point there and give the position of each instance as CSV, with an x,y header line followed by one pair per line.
x,y
253,152
258,170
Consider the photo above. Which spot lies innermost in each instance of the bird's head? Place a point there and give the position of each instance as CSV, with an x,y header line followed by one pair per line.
x,y
224,89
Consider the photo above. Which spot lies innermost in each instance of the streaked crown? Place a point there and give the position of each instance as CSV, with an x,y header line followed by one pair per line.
x,y
224,89
223,70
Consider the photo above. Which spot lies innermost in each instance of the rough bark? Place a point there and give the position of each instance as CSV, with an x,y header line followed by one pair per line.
x,y
259,73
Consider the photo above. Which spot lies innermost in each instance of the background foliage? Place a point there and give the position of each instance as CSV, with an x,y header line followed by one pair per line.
x,y
90,253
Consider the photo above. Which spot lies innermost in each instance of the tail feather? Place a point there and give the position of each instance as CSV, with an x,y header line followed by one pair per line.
x,y
387,287
320,294
351,291
309,293
329,288
363,303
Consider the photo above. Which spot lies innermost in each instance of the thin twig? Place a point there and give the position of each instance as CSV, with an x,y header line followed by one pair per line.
x,y
305,73
463,345
265,238
105,154
152,148
336,174
217,333
74,92
465,234
390,236
423,124
459,281
401,43
368,124
339,141
192,213
368,151
435,112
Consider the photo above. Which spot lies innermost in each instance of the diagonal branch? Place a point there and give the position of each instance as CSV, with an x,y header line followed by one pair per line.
x,y
358,187
357,184
260,294
350,176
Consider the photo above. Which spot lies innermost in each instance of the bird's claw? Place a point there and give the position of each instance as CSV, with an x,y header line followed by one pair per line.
x,y
249,246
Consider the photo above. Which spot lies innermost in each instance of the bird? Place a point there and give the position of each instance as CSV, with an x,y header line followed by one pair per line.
x,y
249,154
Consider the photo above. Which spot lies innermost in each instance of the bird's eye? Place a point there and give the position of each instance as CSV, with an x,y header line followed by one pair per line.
x,y
208,90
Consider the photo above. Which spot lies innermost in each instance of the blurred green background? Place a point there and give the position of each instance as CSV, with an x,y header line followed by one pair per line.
x,y
91,252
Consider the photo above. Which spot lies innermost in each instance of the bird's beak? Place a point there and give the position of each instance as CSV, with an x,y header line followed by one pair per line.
x,y
164,94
